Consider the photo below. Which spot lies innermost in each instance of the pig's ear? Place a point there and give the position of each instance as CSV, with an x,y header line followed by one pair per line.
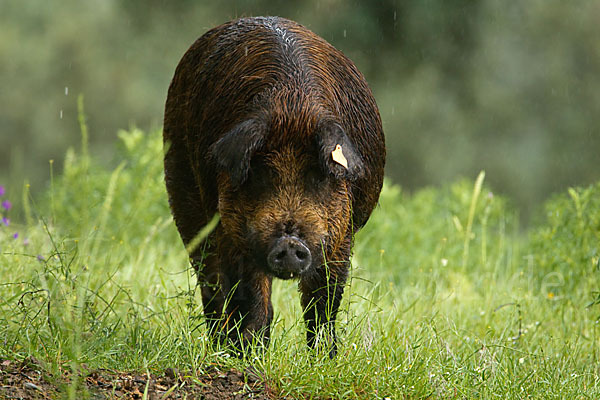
x,y
337,153
232,153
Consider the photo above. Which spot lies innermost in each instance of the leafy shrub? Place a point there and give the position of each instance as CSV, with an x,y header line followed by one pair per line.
x,y
132,196
565,250
461,227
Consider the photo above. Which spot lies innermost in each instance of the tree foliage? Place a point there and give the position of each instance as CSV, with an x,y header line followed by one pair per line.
x,y
462,86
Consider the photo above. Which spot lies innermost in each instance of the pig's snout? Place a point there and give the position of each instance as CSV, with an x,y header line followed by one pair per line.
x,y
289,257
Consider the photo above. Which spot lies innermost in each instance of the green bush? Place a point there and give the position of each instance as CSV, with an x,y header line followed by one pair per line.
x,y
565,250
460,227
123,204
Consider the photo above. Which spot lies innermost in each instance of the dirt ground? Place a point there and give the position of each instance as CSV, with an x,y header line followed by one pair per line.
x,y
28,380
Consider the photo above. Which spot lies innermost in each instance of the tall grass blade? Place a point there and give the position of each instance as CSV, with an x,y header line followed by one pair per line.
x,y
469,228
203,234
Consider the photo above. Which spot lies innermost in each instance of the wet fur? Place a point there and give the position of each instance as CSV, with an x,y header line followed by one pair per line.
x,y
253,112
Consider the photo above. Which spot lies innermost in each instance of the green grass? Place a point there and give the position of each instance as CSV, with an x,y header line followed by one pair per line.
x,y
447,297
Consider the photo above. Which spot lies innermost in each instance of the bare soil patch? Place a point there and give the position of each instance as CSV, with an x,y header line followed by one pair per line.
x,y
28,380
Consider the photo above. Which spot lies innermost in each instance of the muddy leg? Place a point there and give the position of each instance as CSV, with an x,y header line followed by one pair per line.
x,y
237,303
214,287
321,297
250,308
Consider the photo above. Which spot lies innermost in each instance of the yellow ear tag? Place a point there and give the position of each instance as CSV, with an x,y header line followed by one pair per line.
x,y
338,156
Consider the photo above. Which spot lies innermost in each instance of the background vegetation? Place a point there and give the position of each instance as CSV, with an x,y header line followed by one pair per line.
x,y
450,296
462,86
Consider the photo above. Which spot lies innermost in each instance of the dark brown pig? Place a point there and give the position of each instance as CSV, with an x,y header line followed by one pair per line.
x,y
270,126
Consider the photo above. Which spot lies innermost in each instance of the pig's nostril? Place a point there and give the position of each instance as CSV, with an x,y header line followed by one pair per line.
x,y
281,255
301,255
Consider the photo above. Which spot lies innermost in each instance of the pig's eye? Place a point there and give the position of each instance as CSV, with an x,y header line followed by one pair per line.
x,y
259,174
315,178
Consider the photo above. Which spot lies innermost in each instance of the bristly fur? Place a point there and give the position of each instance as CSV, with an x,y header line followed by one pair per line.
x,y
254,110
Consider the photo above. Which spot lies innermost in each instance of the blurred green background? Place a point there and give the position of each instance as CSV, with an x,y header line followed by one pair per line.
x,y
509,87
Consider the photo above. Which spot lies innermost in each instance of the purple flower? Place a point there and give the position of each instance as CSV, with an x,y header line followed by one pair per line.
x,y
40,258
6,205
16,235
2,191
6,221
